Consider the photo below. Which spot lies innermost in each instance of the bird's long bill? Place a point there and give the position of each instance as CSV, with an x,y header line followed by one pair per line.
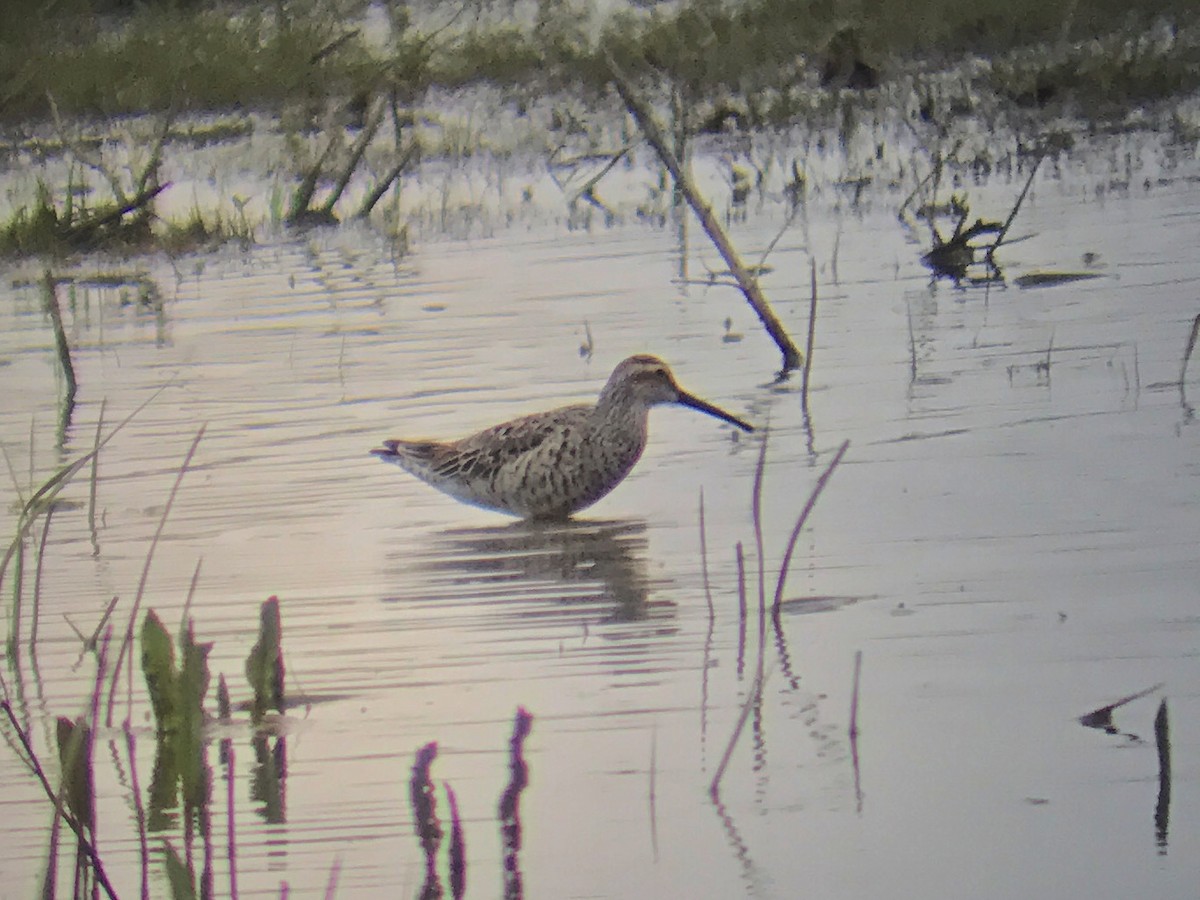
x,y
703,406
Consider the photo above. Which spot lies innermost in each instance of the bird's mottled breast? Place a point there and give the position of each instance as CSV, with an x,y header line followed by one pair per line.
x,y
579,460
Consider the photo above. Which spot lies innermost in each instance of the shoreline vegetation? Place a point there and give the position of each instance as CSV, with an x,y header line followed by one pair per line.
x,y
112,58
352,88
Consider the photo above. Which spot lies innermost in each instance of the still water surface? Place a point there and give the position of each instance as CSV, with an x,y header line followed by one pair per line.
x,y
1010,541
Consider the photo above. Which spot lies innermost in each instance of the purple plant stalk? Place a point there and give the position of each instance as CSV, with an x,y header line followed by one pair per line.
x,y
795,535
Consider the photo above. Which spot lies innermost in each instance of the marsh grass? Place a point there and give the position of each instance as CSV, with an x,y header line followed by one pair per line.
x,y
185,59
204,230
762,673
967,256
177,677
197,56
341,164
1103,74
757,64
57,224
38,504
72,750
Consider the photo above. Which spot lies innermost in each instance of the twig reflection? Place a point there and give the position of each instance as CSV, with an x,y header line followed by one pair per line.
x,y
741,850
510,805
269,786
457,862
425,821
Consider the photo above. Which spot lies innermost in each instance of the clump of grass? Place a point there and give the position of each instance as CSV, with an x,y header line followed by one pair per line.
x,y
58,224
33,228
53,226
201,230
177,691
178,686
177,678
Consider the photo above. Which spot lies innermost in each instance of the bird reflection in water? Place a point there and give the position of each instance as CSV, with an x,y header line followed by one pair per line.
x,y
581,562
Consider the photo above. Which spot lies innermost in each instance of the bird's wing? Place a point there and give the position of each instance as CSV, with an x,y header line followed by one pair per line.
x,y
495,447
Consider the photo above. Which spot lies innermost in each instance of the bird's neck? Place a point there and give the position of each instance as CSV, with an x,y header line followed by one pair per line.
x,y
616,410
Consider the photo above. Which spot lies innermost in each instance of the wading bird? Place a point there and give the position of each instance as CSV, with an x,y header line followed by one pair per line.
x,y
550,465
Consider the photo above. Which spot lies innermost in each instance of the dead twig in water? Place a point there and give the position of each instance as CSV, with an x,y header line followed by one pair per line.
x,y
83,231
653,793
1016,207
1162,809
853,730
1191,345
787,223
708,638
1187,355
812,329
741,570
356,155
89,644
746,282
1102,717
953,257
369,202
588,190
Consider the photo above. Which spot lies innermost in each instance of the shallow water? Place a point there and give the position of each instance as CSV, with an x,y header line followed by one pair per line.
x,y
1010,541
